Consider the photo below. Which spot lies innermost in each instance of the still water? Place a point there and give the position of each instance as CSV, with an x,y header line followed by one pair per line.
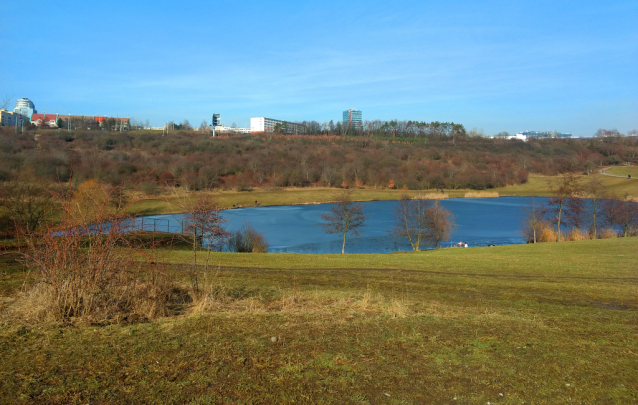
x,y
297,229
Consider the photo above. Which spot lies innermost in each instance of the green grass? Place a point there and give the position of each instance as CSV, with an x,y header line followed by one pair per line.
x,y
12,274
546,323
624,171
543,259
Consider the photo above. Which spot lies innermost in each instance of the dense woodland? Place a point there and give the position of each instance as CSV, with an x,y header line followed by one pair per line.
x,y
195,160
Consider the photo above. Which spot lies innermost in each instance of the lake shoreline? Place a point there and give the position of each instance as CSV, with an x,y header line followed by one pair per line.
x,y
296,228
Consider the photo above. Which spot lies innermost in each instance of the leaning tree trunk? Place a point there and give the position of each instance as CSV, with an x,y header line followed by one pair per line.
x,y
560,212
343,248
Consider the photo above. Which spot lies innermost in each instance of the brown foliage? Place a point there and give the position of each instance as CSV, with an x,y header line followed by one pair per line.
x,y
420,156
87,269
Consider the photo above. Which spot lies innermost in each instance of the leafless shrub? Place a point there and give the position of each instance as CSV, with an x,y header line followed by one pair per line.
x,y
247,240
87,269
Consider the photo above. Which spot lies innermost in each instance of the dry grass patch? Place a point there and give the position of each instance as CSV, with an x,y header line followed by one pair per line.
x,y
546,233
481,194
607,233
432,196
575,234
224,298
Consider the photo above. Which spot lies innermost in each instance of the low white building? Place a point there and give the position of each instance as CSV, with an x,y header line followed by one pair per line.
x,y
520,137
526,135
221,128
50,120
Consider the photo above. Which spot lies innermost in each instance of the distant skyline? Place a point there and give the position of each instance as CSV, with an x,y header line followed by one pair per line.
x,y
568,66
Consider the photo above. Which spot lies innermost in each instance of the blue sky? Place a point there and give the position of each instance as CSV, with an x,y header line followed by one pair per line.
x,y
570,66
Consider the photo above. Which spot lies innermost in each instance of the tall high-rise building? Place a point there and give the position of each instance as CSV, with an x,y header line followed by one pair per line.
x,y
217,120
25,107
352,118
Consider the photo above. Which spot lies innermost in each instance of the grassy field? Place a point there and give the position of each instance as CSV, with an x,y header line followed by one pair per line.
x,y
536,186
624,171
546,323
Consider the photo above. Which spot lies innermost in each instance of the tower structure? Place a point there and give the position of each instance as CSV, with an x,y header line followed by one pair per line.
x,y
217,120
25,107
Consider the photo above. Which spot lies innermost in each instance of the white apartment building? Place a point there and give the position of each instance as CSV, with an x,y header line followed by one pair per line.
x,y
11,119
263,124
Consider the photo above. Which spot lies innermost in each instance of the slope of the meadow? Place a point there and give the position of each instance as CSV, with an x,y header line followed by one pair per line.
x,y
546,323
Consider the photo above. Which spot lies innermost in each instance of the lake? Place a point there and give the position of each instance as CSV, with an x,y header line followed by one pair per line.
x,y
297,229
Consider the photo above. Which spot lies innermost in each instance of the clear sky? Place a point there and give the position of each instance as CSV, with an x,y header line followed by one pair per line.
x,y
570,66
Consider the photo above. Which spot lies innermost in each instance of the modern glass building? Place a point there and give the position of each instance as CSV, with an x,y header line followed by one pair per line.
x,y
25,107
352,118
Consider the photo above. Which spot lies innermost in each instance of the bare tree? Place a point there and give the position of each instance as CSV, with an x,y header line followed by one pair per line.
x,y
344,217
440,223
411,220
564,206
4,103
595,192
202,221
534,221
623,212
204,126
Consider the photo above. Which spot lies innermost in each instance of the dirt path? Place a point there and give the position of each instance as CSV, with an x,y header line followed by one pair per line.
x,y
604,172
